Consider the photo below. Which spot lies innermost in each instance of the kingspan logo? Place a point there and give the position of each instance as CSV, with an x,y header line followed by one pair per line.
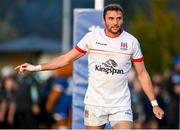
x,y
109,67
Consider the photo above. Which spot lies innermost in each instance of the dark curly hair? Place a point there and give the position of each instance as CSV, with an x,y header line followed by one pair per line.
x,y
112,7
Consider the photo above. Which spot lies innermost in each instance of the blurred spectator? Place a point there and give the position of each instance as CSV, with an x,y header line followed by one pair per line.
x,y
59,103
7,71
7,98
28,101
173,86
47,117
151,121
136,95
162,97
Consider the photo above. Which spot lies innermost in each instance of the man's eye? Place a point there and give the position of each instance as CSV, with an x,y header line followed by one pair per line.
x,y
119,18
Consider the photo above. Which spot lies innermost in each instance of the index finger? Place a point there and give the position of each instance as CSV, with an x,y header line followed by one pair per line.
x,y
17,67
158,116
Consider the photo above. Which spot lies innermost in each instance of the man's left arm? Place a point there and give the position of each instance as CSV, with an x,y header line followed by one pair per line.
x,y
146,84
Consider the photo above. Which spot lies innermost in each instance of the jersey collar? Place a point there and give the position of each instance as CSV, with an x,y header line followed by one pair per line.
x,y
116,35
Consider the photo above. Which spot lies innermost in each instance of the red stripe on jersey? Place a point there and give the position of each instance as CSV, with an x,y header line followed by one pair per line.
x,y
138,60
110,51
80,50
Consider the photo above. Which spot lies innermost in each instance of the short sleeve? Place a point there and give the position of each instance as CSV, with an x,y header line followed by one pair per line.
x,y
137,55
82,46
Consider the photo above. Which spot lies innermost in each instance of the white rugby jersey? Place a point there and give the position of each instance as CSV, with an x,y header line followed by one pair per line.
x,y
109,61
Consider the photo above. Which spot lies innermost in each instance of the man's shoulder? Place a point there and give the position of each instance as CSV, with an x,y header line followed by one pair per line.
x,y
130,36
95,32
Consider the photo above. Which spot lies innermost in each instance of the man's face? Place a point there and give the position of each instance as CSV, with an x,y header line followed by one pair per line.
x,y
113,21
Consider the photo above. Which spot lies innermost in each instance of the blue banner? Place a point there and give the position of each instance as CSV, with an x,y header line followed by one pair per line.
x,y
85,20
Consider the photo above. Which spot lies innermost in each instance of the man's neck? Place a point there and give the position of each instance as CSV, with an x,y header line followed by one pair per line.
x,y
112,35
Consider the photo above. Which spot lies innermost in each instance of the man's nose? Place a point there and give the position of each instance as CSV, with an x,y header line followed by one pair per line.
x,y
115,21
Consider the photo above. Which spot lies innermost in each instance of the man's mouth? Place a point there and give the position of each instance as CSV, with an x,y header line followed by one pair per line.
x,y
115,28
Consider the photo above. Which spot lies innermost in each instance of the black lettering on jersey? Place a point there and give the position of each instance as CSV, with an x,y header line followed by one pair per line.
x,y
104,44
128,113
109,67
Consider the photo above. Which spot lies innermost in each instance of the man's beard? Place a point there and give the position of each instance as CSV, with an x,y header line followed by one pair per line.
x,y
114,32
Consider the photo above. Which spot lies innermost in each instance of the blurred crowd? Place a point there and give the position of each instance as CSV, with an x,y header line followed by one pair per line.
x,y
28,102
167,90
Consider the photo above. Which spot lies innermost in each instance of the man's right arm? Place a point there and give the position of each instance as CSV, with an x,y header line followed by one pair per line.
x,y
55,63
62,60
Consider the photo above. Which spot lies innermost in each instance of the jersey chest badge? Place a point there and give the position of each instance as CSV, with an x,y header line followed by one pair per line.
x,y
123,46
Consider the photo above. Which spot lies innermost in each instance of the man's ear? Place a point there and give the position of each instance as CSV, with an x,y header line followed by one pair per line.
x,y
103,21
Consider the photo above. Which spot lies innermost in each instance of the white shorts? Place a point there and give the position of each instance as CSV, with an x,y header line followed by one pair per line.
x,y
97,116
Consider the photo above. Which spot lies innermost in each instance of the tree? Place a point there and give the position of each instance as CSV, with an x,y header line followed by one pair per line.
x,y
158,35
7,30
